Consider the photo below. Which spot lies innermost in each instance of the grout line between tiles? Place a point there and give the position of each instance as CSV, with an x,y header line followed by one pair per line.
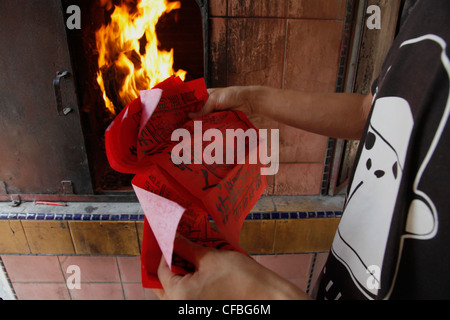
x,y
71,237
63,275
274,237
137,235
227,35
26,238
311,272
120,277
284,54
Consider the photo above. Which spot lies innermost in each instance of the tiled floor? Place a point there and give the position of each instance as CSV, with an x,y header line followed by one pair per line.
x,y
118,277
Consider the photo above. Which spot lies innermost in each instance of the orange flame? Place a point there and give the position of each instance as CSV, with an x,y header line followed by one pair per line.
x,y
119,49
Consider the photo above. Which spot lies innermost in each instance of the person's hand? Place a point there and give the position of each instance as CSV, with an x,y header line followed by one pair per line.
x,y
230,98
221,274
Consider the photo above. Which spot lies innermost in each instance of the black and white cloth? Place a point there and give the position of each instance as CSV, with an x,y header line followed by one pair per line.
x,y
394,237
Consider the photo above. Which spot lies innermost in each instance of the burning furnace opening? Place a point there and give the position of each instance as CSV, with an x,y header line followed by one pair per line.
x,y
125,46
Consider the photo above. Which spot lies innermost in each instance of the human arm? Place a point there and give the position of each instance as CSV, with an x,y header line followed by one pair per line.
x,y
339,115
222,275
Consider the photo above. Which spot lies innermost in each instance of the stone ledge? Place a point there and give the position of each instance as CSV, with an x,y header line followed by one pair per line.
x,y
277,224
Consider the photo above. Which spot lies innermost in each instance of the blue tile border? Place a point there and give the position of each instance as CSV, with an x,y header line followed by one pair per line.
x,y
140,217
293,215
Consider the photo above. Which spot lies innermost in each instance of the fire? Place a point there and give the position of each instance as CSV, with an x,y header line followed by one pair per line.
x,y
124,66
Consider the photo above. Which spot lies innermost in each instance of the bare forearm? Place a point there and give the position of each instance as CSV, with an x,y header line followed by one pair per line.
x,y
339,115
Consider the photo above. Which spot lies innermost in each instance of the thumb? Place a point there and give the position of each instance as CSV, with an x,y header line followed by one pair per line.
x,y
209,106
166,277
188,250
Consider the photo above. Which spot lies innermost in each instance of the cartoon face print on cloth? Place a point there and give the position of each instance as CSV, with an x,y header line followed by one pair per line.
x,y
364,232
379,174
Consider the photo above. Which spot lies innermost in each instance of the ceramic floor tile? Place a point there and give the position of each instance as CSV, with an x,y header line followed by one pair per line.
x,y
140,232
48,237
93,268
301,283
41,291
288,266
298,146
321,259
312,55
150,295
255,51
135,291
304,235
108,237
317,9
12,237
218,8
257,236
218,52
98,291
25,268
298,179
130,268
261,8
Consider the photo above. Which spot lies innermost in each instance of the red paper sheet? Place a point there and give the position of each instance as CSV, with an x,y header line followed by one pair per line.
x,y
181,198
